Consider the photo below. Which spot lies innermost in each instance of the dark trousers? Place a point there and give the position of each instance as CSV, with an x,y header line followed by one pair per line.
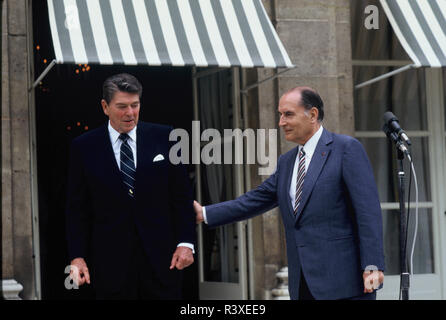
x,y
364,296
305,293
141,280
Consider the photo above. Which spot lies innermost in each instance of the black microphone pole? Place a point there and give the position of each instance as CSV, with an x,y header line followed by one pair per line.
x,y
405,277
401,151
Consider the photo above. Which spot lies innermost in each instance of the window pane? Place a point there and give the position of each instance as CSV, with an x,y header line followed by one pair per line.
x,y
381,43
444,111
444,101
382,156
423,259
404,94
220,246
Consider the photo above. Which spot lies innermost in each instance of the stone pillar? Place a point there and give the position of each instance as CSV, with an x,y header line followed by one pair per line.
x,y
11,289
316,34
17,235
281,292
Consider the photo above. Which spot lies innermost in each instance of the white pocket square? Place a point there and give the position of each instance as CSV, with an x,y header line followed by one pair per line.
x,y
158,158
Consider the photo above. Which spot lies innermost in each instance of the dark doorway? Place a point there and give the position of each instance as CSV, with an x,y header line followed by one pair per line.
x,y
67,105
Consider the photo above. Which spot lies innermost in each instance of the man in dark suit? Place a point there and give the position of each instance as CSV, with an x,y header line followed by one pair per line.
x,y
129,214
329,204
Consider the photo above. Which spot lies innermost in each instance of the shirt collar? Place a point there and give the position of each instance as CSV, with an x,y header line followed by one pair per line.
x,y
114,135
311,144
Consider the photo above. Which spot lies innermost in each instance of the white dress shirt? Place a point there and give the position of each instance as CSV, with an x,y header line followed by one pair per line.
x,y
116,144
309,148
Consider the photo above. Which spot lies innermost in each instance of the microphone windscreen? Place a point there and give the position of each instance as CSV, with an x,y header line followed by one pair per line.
x,y
389,116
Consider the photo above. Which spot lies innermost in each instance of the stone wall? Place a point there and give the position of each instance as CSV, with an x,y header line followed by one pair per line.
x,y
17,244
316,34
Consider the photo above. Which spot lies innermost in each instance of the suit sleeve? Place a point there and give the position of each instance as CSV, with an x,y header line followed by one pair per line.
x,y
358,177
248,205
77,212
181,203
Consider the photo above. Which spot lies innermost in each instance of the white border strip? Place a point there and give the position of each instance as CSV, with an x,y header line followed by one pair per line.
x,y
399,34
258,34
192,34
418,32
169,33
99,35
73,25
54,33
122,32
146,33
236,34
214,33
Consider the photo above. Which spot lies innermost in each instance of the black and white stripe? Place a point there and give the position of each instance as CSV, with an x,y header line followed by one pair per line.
x,y
128,168
421,29
300,180
199,33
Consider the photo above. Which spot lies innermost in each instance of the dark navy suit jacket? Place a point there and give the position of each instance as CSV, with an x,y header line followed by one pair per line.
x,y
101,218
337,231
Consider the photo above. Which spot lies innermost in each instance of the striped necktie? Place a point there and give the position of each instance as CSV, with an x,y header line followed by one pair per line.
x,y
300,180
127,165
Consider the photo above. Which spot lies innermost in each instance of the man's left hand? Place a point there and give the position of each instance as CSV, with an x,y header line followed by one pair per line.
x,y
182,258
372,280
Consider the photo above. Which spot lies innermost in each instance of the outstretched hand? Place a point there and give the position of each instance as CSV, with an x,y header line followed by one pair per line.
x,y
199,212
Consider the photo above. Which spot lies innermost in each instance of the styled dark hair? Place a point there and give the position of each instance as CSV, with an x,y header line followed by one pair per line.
x,y
310,99
120,82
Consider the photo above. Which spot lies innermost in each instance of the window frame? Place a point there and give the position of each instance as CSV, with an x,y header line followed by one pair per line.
x,y
436,134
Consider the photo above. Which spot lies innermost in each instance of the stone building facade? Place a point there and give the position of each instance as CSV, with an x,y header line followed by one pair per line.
x,y
316,35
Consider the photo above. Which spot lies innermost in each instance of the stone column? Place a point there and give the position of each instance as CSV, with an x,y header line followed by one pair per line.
x,y
17,244
316,34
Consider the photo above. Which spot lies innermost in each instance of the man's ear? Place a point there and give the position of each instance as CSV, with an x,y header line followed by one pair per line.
x,y
314,114
104,106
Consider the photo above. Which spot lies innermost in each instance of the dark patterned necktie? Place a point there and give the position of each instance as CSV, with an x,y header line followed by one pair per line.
x,y
300,180
127,165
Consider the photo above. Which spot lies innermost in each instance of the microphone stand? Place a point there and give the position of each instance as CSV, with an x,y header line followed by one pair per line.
x,y
405,276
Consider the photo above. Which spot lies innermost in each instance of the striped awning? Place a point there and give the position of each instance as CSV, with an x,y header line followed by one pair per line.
x,y
420,26
219,33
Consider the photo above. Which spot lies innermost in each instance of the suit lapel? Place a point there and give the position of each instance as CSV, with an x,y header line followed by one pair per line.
x,y
318,160
144,149
109,164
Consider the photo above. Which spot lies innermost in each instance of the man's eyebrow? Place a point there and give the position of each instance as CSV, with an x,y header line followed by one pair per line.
x,y
124,104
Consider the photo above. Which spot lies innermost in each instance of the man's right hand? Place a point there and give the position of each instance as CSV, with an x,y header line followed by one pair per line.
x,y
199,212
79,271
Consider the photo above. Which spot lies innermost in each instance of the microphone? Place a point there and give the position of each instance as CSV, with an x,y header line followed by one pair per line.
x,y
395,138
393,124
